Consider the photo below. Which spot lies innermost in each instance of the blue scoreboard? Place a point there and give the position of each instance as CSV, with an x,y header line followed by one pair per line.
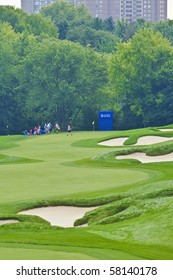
x,y
105,120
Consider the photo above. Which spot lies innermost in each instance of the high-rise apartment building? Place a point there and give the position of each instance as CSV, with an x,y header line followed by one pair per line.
x,y
101,8
150,10
155,10
34,6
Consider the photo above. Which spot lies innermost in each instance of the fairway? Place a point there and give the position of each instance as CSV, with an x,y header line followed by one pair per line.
x,y
56,174
132,201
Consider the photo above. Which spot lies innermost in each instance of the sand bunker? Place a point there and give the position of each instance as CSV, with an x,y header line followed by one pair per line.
x,y
142,157
145,140
114,142
63,216
2,222
148,140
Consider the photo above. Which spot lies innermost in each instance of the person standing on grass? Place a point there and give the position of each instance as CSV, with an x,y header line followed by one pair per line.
x,y
57,127
69,129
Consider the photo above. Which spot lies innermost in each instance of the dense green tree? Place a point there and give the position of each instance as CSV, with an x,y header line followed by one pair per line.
x,y
98,24
61,78
109,24
13,48
166,28
66,16
45,79
141,72
35,24
15,17
99,40
125,30
121,27
10,99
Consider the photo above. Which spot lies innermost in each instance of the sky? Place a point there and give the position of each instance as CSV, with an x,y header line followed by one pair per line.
x,y
17,5
170,9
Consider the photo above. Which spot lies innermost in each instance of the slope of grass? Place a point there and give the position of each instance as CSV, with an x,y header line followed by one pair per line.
x,y
134,217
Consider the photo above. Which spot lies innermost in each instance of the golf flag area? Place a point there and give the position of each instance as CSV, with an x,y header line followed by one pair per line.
x,y
93,124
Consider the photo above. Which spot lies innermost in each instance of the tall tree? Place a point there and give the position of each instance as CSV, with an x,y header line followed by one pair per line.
x,y
35,24
99,40
15,17
141,72
11,109
60,79
98,23
166,28
125,30
109,24
66,16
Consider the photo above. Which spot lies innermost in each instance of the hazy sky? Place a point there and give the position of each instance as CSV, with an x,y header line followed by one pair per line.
x,y
170,9
11,2
17,4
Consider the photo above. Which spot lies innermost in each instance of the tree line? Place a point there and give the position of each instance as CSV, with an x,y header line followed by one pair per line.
x,y
64,65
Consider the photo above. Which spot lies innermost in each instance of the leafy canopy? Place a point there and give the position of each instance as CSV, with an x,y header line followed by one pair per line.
x,y
141,72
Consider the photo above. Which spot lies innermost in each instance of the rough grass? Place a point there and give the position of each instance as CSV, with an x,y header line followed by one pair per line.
x,y
134,215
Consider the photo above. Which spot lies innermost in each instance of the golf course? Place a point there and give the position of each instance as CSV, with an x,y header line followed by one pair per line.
x,y
126,201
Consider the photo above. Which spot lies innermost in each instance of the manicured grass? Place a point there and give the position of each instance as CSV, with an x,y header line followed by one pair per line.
x,y
56,174
33,252
134,220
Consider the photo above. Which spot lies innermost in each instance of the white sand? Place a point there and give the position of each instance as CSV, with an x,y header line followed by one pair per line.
x,y
2,222
114,142
148,140
142,157
63,216
145,140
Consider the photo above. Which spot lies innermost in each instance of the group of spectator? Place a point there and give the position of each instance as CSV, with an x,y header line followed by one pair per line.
x,y
46,129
